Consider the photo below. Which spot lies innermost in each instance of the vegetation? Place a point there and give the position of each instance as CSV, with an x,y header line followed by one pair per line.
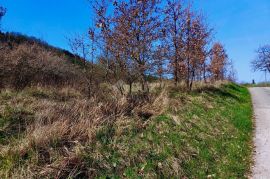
x,y
136,39
189,142
13,39
57,133
27,61
130,42
262,61
143,96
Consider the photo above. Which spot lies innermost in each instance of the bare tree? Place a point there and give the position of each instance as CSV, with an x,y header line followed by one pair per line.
x,y
231,71
262,61
84,46
174,22
160,62
103,34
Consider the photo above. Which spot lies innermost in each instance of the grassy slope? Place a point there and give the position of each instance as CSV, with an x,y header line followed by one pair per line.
x,y
208,136
199,135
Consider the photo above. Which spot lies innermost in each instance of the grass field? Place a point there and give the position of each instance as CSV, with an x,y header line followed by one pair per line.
x,y
203,134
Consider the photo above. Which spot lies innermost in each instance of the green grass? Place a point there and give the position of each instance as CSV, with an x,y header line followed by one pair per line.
x,y
13,123
210,137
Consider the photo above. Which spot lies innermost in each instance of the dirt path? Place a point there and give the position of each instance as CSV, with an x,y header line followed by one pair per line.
x,y
261,102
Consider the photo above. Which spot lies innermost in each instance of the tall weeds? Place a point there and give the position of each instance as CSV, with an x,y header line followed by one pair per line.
x,y
64,123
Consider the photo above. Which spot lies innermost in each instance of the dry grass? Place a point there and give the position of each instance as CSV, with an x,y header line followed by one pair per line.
x,y
65,121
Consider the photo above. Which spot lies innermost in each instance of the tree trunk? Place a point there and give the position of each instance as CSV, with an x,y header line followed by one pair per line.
x,y
191,82
188,78
160,81
144,84
130,87
175,76
204,72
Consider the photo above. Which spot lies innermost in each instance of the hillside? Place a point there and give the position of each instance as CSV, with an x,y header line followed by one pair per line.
x,y
48,133
13,39
27,61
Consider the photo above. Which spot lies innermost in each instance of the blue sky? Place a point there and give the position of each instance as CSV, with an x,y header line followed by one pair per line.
x,y
241,25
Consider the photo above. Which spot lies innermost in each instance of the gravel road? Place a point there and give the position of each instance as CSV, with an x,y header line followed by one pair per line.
x,y
261,103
